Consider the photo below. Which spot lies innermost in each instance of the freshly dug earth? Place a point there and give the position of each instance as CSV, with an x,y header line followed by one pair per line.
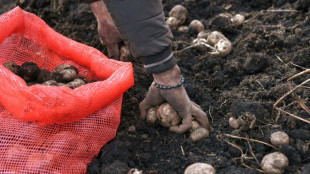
x,y
268,48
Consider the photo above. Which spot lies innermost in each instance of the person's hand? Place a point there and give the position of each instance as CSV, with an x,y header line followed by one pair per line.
x,y
176,97
107,31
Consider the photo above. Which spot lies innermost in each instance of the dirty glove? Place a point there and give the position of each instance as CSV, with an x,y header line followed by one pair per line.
x,y
107,31
176,97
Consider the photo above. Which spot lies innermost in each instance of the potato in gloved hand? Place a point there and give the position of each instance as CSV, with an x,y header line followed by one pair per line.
x,y
167,115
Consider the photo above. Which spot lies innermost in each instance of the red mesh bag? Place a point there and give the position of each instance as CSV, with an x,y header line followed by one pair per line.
x,y
48,129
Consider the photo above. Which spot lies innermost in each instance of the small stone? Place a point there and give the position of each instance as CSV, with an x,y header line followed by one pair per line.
x,y
132,129
298,32
145,136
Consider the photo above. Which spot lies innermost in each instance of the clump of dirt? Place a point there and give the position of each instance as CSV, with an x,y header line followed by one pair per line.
x,y
270,46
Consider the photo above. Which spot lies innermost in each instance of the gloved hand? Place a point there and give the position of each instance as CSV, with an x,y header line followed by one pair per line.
x,y
176,97
107,31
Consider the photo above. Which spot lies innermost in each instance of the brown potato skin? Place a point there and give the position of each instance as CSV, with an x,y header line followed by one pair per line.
x,y
279,138
179,12
151,117
199,168
13,67
199,134
63,67
75,83
274,163
172,22
29,71
50,83
44,75
167,115
196,26
66,75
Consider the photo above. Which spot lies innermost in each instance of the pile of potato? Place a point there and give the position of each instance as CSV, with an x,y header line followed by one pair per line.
x,y
220,45
62,75
166,116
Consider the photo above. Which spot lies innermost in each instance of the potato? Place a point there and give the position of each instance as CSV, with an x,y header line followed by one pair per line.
x,y
237,20
200,43
203,34
75,83
61,84
222,21
199,134
50,83
172,22
125,54
44,75
64,66
13,67
214,38
83,78
66,75
225,20
274,163
182,28
279,138
180,13
167,115
195,125
29,71
199,168
234,123
134,171
151,116
219,44
196,26
32,83
223,47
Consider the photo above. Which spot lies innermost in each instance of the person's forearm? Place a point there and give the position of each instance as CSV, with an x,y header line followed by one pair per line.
x,y
168,78
91,1
100,11
141,24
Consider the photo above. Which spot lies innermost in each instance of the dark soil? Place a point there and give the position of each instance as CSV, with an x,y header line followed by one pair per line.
x,y
271,46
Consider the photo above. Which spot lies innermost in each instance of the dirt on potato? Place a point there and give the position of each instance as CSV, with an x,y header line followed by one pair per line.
x,y
270,46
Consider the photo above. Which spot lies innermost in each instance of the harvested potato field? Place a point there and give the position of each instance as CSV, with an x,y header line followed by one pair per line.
x,y
251,78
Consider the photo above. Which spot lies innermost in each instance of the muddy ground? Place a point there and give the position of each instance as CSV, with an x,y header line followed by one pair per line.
x,y
268,48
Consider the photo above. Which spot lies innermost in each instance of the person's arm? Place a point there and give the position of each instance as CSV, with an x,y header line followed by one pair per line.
x,y
108,34
141,24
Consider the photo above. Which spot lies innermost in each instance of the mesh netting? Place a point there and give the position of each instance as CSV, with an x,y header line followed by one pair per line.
x,y
48,129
